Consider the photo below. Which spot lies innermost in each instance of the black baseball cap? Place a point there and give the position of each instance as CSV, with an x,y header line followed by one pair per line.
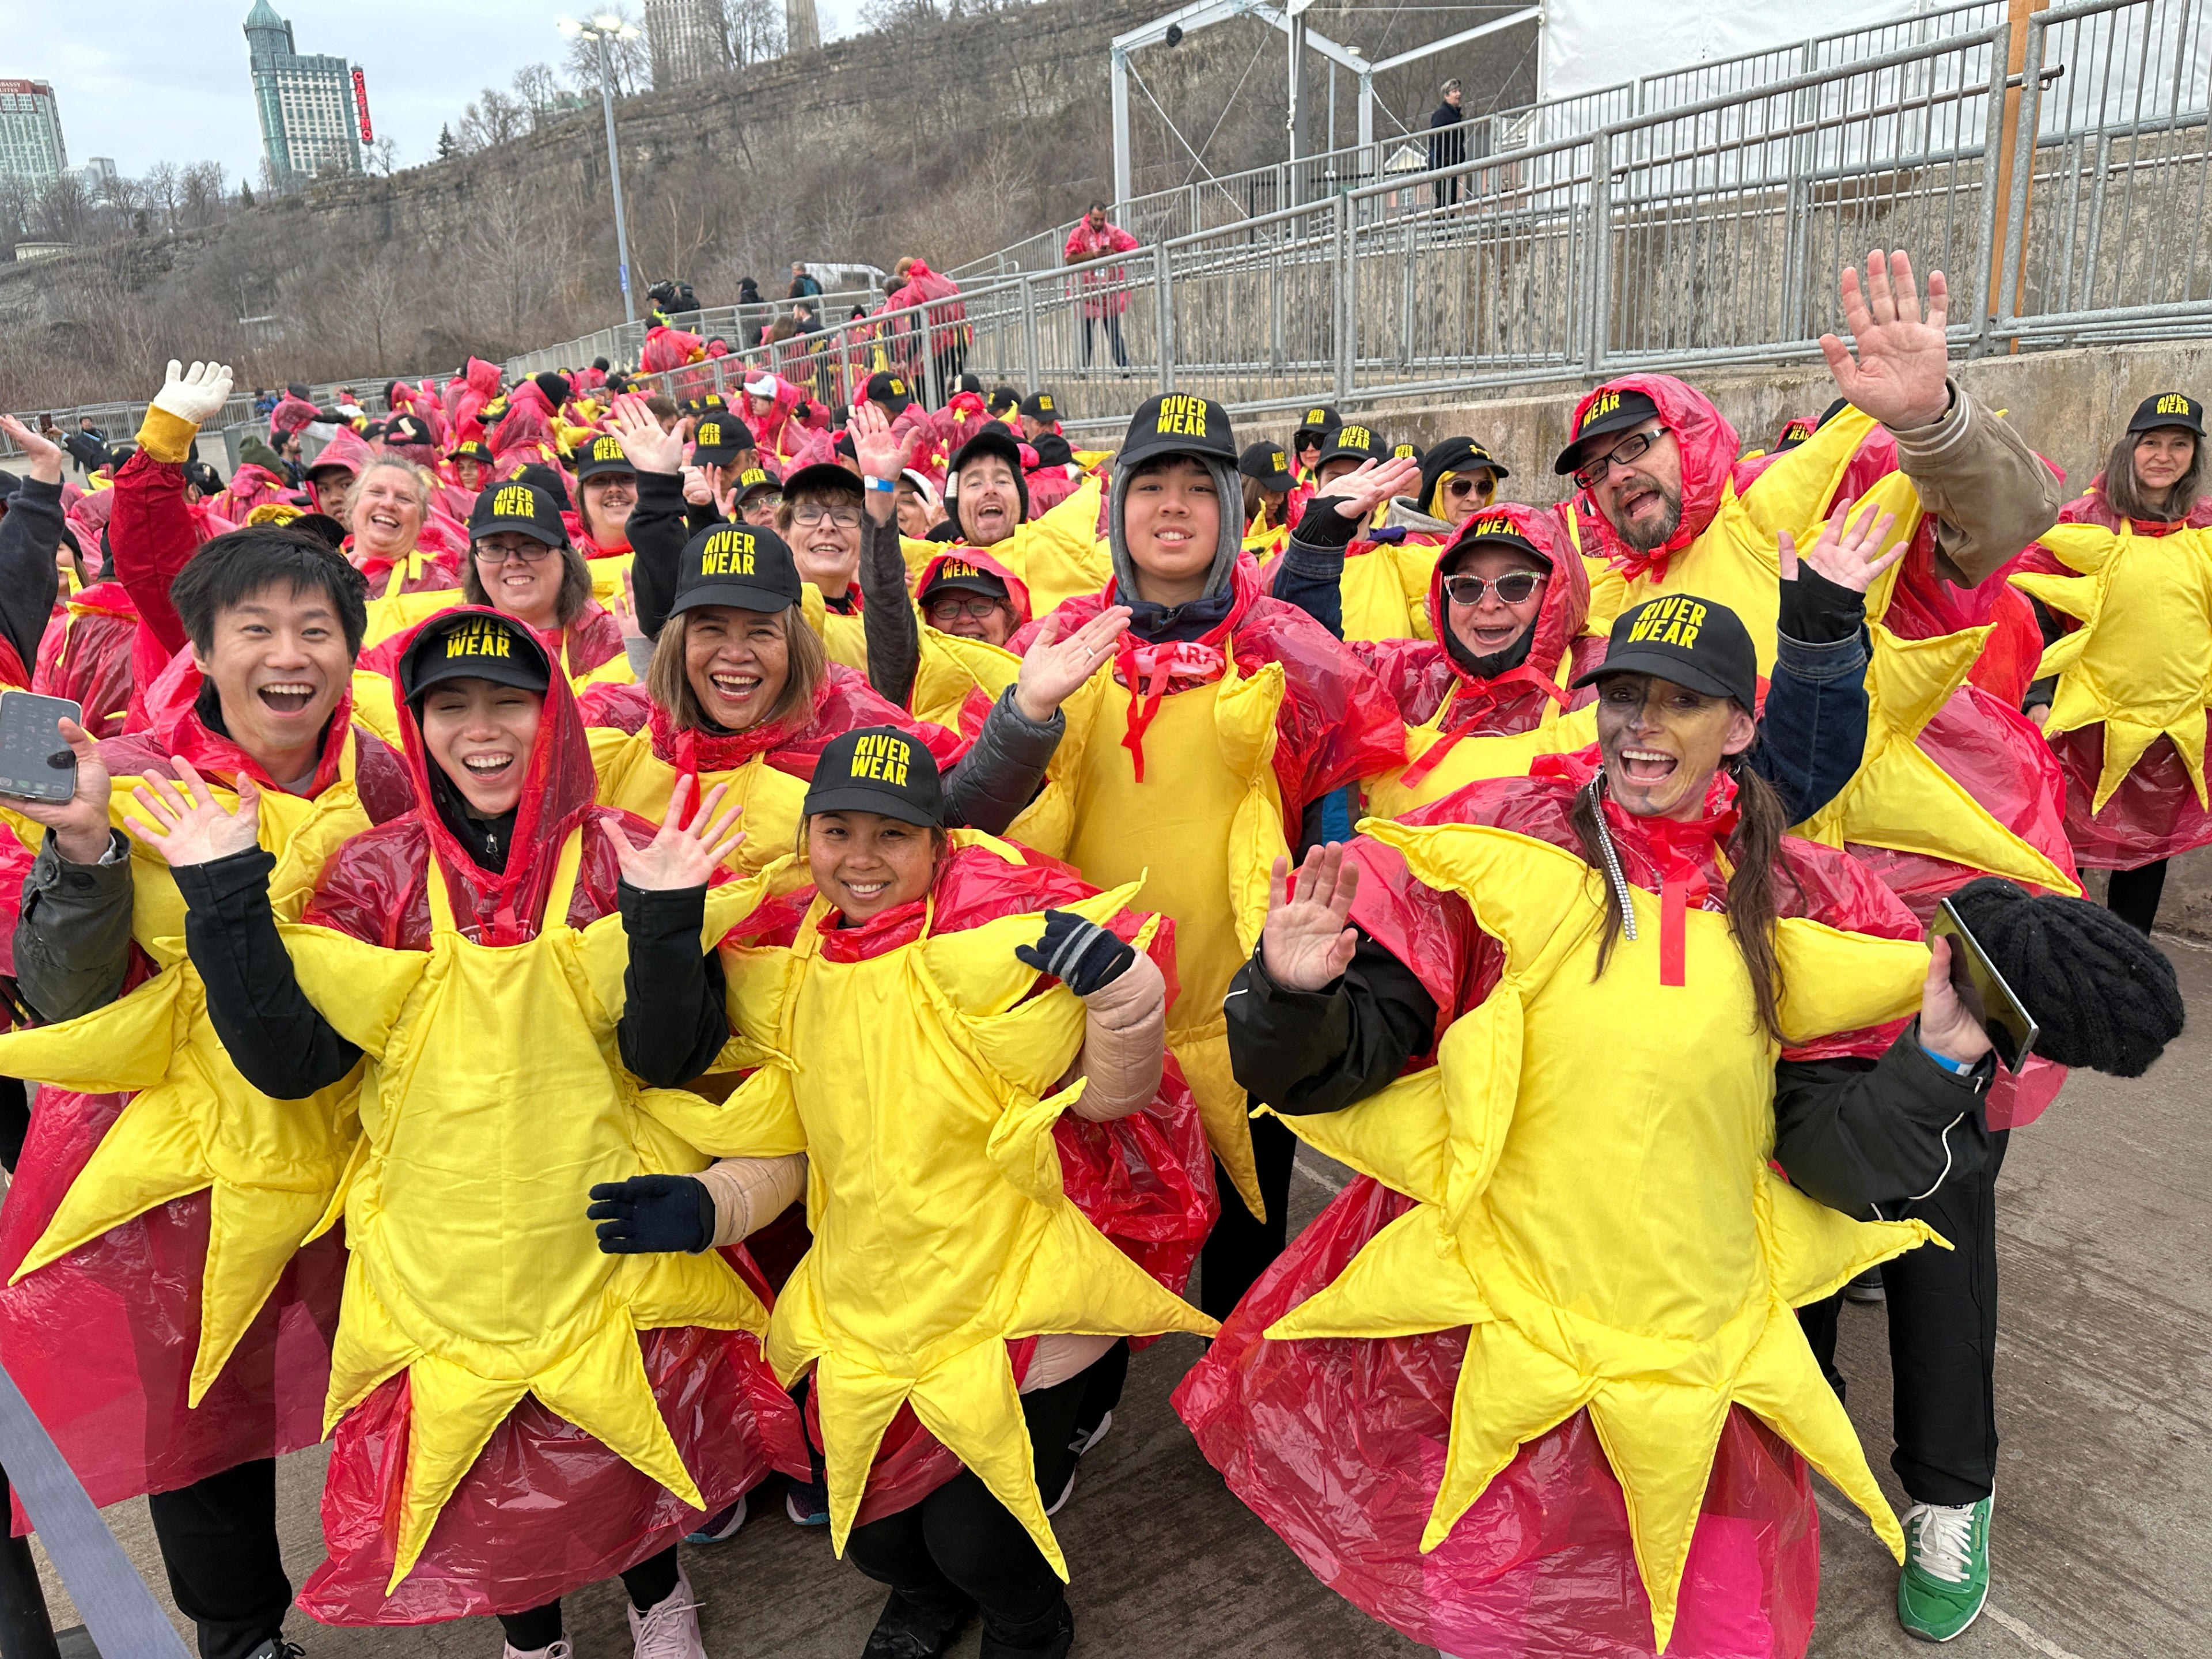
x,y
2169,409
889,393
1608,411
471,449
720,438
743,566
958,573
515,505
1040,406
971,381
409,429
1178,423
1052,449
547,479
1004,401
992,438
473,644
824,476
1699,643
603,454
878,769
1454,455
1483,531
1319,422
1405,452
328,529
1266,462
754,479
1353,443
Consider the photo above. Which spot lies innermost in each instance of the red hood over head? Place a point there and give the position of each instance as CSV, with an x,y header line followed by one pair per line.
x,y
1708,444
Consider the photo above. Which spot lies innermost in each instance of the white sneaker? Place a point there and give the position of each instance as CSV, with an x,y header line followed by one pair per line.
x,y
1083,1443
669,1629
558,1650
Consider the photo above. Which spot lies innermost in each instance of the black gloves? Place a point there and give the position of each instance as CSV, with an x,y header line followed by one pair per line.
x,y
1081,955
1321,526
653,1213
1817,612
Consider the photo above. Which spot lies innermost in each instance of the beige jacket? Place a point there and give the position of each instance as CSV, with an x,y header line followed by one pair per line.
x,y
1989,494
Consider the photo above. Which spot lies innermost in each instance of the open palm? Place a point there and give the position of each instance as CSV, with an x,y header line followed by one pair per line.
x,y
1308,943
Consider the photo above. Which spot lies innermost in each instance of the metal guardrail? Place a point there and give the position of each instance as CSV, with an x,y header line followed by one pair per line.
x,y
623,343
119,421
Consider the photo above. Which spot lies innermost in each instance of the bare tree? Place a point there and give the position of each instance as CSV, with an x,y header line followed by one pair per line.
x,y
537,87
200,194
64,209
509,258
383,156
629,62
494,119
756,32
164,188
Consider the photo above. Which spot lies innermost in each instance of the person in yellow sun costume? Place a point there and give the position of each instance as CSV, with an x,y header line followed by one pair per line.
x,y
1194,757
2121,697
523,977
963,1277
1627,981
162,1313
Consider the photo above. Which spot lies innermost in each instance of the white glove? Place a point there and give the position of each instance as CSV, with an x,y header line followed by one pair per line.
x,y
195,394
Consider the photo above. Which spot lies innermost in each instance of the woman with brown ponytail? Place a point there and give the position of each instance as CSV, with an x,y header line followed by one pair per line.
x,y
1566,1272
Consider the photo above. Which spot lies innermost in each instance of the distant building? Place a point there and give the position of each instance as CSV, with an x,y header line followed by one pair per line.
x,y
96,174
802,30
30,147
689,39
304,103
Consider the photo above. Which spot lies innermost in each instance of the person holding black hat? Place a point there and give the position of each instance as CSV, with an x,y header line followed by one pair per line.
x,y
1639,899
2122,598
1223,715
475,913
967,987
1311,433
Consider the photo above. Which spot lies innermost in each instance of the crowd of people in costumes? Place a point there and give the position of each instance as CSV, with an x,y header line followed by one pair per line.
x,y
612,947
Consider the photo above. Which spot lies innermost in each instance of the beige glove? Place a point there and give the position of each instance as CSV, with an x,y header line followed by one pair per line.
x,y
196,394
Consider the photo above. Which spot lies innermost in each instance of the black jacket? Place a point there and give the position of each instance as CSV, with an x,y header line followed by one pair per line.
x,y
1857,1136
672,1023
1447,138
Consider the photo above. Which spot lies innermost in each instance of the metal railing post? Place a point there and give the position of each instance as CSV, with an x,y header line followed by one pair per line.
x,y
1346,317
1163,285
1599,239
2006,302
1028,336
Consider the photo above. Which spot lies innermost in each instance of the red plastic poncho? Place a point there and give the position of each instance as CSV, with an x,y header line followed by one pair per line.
x,y
250,486
2154,813
1340,1446
102,1341
467,393
86,656
1105,291
766,418
346,450
289,415
669,348
1145,1181
524,437
545,1508
948,322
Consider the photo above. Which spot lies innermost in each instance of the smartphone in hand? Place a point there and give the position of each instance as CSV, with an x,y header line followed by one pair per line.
x,y
1983,991
35,764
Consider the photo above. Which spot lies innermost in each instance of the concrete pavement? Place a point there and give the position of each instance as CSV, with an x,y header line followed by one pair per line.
x,y
2104,1512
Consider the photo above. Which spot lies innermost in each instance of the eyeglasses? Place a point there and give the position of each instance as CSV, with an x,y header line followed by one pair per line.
x,y
1460,489
1628,449
1514,587
765,500
533,554
979,609
813,513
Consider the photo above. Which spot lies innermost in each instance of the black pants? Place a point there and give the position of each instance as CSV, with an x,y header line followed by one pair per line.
x,y
1239,1249
1942,1307
649,1583
1112,324
2134,894
14,1120
1446,190
218,1539
960,1540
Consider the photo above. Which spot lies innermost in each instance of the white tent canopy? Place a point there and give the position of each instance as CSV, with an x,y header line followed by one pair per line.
x,y
1590,44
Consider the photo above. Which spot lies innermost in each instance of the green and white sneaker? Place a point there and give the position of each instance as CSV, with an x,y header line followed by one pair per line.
x,y
1946,1569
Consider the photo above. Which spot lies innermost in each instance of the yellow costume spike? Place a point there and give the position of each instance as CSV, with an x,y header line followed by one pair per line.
x,y
941,1228
2140,663
844,637
473,1266
1643,1270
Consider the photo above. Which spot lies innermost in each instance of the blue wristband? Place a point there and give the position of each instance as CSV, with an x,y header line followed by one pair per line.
x,y
881,486
1955,1067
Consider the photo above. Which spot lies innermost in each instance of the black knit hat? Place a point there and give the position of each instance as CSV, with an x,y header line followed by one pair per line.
x,y
2104,996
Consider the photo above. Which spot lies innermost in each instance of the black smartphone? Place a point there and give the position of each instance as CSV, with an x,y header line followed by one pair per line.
x,y
35,764
2012,1030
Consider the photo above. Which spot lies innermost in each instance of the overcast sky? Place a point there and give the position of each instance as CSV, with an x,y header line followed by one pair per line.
x,y
146,81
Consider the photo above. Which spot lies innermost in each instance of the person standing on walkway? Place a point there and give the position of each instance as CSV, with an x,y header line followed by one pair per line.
x,y
1447,141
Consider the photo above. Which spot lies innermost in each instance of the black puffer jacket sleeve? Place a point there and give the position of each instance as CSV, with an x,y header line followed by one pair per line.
x,y
1861,1138
658,528
1003,768
672,1023
1303,1052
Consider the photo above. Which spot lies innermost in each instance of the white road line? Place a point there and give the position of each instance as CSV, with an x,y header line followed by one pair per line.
x,y
1326,1183
2019,1627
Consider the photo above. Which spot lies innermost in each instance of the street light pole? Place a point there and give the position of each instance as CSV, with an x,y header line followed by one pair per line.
x,y
601,30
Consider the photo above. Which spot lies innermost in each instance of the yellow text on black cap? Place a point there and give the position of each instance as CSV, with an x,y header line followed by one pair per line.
x,y
882,756
710,434
2174,403
1182,416
479,639
727,553
1671,621
514,502
607,449
1355,437
1604,403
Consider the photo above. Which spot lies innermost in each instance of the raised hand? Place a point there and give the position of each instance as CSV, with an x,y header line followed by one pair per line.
x,y
190,825
698,489
1945,1024
682,856
195,394
1904,362
882,452
1077,952
1306,943
624,608
1368,485
79,824
1053,666
1849,555
643,443
44,454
